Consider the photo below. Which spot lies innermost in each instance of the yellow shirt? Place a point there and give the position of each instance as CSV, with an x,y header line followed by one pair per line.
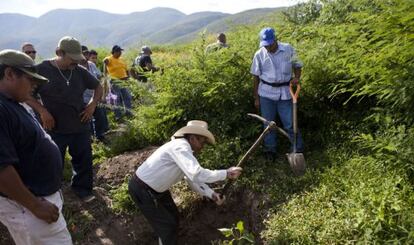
x,y
116,67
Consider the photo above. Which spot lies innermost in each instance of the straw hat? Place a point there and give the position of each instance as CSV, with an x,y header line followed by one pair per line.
x,y
196,127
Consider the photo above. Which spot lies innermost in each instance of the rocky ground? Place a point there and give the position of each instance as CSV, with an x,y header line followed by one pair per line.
x,y
97,223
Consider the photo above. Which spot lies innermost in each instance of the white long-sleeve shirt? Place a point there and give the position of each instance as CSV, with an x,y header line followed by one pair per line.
x,y
171,163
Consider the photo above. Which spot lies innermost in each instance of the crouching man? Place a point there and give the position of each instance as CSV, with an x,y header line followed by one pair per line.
x,y
149,186
30,162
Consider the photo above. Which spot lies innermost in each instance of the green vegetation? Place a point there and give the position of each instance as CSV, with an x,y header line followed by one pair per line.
x,y
355,113
237,234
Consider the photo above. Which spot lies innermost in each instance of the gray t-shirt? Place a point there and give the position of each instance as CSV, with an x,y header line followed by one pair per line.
x,y
63,101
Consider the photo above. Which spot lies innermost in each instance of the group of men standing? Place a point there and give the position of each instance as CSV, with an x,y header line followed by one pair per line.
x,y
31,160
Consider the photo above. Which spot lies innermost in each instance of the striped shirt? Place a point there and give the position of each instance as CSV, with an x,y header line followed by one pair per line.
x,y
275,68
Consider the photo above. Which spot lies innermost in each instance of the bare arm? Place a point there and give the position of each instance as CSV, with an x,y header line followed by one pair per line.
x,y
87,114
12,186
48,122
298,73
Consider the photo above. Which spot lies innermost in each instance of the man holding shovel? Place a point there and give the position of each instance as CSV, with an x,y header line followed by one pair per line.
x,y
169,164
275,67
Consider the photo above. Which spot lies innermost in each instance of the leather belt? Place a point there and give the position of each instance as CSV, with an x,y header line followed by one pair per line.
x,y
142,183
275,84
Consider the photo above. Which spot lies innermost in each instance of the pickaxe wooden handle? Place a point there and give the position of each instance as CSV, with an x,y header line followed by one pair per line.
x,y
270,126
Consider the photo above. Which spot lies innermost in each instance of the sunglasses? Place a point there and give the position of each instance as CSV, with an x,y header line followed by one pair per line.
x,y
30,52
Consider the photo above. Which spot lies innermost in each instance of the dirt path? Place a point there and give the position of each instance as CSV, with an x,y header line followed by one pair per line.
x,y
97,223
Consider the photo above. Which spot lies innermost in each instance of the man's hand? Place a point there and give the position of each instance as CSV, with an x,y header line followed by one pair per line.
x,y
295,81
47,120
218,198
45,210
234,172
87,114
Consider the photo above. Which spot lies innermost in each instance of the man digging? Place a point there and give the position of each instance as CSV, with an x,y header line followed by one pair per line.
x,y
175,160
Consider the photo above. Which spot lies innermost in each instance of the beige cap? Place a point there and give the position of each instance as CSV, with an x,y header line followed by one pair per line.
x,y
72,47
21,61
196,127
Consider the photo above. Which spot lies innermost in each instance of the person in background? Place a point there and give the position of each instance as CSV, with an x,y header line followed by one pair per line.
x,y
93,57
29,49
175,160
275,66
219,44
144,64
116,68
30,163
63,112
99,122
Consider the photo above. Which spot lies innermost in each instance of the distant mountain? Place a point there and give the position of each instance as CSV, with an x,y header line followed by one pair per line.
x,y
97,28
221,25
189,24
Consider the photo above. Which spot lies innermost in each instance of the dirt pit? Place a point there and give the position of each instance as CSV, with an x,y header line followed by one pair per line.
x,y
97,223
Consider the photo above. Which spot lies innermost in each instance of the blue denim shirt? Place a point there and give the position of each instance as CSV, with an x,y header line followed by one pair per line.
x,y
275,68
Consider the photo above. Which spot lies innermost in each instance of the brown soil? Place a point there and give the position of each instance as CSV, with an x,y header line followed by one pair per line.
x,y
97,223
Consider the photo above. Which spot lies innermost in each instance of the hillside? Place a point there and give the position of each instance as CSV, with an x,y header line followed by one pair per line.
x,y
101,29
248,17
354,113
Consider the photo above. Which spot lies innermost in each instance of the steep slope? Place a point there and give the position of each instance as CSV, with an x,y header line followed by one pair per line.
x,y
187,25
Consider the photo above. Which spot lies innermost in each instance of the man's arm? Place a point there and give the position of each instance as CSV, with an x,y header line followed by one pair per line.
x,y
256,81
87,114
151,67
105,69
12,186
298,73
47,119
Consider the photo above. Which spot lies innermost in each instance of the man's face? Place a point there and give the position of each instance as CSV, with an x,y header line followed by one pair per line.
x,y
272,48
117,54
222,38
197,143
29,50
68,62
93,58
21,85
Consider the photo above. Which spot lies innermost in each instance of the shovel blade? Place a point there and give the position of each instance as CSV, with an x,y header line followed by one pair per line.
x,y
297,163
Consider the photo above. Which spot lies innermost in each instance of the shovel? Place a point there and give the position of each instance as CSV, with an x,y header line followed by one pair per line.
x,y
296,160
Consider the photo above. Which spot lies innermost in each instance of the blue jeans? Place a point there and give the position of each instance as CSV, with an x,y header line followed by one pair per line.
x,y
269,108
80,150
99,123
123,101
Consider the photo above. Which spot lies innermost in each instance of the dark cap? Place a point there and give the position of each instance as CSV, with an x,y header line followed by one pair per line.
x,y
84,49
116,48
71,46
21,61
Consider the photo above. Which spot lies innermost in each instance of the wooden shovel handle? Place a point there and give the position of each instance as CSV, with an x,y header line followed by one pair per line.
x,y
295,95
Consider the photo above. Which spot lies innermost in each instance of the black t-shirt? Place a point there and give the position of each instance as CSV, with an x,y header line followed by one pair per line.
x,y
142,61
29,149
63,101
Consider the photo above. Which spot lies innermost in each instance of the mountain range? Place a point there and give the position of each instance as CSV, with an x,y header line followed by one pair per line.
x,y
101,29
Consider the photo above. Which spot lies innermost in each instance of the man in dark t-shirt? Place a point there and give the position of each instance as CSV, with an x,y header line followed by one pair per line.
x,y
64,113
30,162
143,64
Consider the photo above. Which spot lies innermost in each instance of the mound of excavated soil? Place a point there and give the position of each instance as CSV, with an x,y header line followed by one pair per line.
x,y
96,222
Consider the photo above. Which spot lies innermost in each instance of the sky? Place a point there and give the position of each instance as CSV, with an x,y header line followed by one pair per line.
x,y
36,8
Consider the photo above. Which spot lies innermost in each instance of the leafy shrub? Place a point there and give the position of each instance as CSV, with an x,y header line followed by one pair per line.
x,y
121,200
370,198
